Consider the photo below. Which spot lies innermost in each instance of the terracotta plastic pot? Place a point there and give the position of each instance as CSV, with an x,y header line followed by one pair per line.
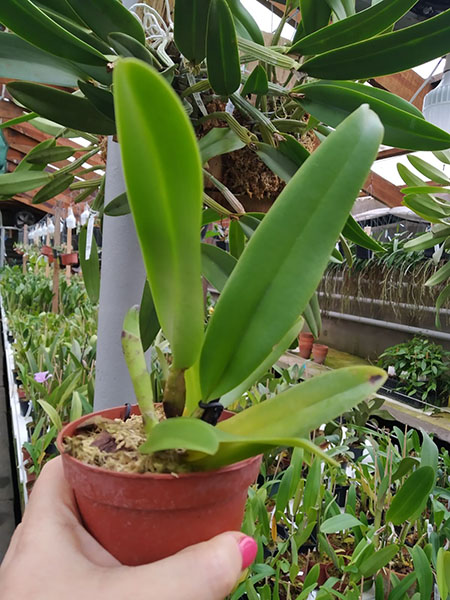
x,y
47,251
141,518
305,343
69,259
319,353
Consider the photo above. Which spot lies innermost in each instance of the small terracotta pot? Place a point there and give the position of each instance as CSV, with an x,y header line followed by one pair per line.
x,y
305,343
319,353
141,518
47,251
69,259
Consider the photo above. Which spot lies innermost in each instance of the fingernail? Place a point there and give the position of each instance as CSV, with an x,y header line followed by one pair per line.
x,y
248,548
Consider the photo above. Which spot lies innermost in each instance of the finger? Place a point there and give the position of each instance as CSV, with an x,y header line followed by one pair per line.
x,y
206,571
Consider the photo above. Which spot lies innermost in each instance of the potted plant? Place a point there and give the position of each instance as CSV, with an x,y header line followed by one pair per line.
x,y
70,258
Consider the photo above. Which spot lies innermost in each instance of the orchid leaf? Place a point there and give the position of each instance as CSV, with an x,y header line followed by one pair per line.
x,y
107,16
441,300
69,110
428,170
220,140
423,570
190,22
224,70
118,206
127,46
22,181
425,189
412,496
57,185
385,54
360,26
90,267
217,265
355,233
246,20
315,15
441,275
339,523
148,319
236,238
256,83
186,433
102,99
404,125
159,151
422,242
378,560
284,259
30,23
51,155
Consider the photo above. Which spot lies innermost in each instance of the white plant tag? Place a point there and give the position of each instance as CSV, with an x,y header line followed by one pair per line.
x,y
89,234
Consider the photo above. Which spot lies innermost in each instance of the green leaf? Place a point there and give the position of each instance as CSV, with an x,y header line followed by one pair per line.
x,y
312,486
428,170
315,15
20,60
408,176
56,186
190,22
441,275
442,569
429,454
236,238
360,26
355,233
118,206
90,267
69,110
51,155
220,140
127,46
217,265
412,496
30,23
27,165
102,99
224,70
339,523
284,259
148,319
404,125
378,560
256,83
302,408
422,242
443,156
423,571
385,54
159,149
186,433
404,467
425,189
246,20
402,587
51,413
107,16
23,119
16,183
426,207
76,408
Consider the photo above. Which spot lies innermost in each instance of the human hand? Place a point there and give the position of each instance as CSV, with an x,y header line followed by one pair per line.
x,y
52,556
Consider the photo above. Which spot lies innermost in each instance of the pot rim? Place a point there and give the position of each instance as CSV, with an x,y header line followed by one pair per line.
x,y
123,474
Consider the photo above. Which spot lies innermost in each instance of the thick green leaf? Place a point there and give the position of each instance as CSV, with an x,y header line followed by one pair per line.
x,y
52,414
59,183
51,155
20,60
16,183
186,433
315,15
118,206
236,238
412,496
217,265
107,16
27,165
220,140
385,54
159,152
90,267
423,571
399,591
69,110
127,46
443,156
404,125
360,26
441,275
59,6
428,170
339,523
268,362
101,98
355,233
426,208
378,560
190,22
441,300
404,467
224,70
425,189
422,242
429,454
408,176
257,82
312,486
148,319
30,23
284,260
246,20
304,407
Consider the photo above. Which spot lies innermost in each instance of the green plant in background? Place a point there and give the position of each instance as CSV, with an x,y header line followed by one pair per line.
x,y
422,368
431,203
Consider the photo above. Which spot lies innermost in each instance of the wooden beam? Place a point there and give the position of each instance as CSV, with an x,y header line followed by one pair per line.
x,y
391,152
404,84
383,190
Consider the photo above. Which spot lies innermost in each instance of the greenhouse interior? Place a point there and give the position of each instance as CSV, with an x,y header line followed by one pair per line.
x,y
225,299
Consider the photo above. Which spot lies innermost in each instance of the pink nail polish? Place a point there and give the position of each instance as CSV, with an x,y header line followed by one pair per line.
x,y
248,548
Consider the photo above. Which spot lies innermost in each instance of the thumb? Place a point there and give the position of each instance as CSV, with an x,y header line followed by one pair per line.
x,y
206,571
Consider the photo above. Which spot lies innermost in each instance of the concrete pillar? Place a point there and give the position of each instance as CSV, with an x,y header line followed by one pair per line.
x,y
122,282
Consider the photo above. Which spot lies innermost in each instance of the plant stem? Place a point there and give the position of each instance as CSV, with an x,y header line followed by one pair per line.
x,y
174,393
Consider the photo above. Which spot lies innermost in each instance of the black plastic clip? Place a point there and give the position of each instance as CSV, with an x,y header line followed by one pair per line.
x,y
211,411
127,413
